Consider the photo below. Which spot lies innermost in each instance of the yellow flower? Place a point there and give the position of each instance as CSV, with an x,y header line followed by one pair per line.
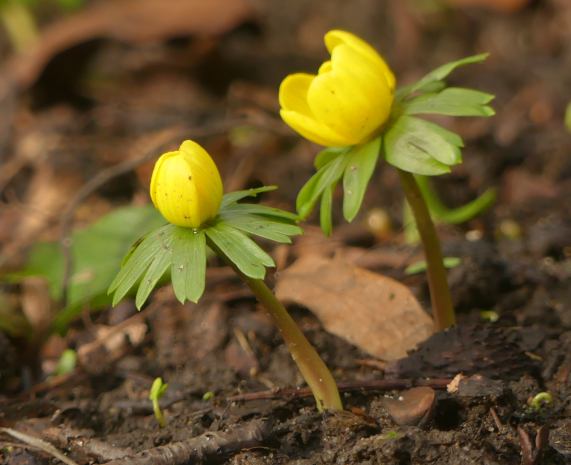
x,y
186,186
347,101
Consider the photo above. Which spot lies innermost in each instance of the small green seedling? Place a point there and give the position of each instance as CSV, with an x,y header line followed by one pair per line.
x,y
489,315
540,400
208,395
158,389
66,363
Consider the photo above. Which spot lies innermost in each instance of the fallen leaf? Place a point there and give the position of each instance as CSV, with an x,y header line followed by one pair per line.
x,y
129,21
377,314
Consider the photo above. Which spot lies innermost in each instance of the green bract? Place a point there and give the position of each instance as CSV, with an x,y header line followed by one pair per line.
x,y
182,251
407,142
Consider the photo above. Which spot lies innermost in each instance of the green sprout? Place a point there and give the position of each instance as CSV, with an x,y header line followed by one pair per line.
x,y
186,188
540,400
158,390
352,107
489,315
66,363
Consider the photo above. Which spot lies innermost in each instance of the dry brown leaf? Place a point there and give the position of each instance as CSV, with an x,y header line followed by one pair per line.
x,y
377,314
130,21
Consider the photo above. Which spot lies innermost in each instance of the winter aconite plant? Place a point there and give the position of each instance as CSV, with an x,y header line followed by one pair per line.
x,y
186,188
352,107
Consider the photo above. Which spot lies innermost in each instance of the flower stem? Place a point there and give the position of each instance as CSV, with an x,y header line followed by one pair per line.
x,y
442,309
312,367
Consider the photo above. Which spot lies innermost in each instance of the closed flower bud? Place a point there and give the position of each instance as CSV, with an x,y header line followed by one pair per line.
x,y
186,186
349,99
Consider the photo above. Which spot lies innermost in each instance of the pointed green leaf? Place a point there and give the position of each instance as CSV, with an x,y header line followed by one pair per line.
x,y
241,209
156,270
138,262
188,268
452,101
325,209
248,257
361,163
414,145
427,82
443,145
233,197
419,267
329,154
312,190
449,136
267,228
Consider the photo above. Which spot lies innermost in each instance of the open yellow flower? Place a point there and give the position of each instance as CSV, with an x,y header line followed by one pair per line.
x,y
347,101
186,186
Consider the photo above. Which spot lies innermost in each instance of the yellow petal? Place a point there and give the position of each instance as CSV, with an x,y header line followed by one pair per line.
x,y
207,181
293,93
372,97
325,67
337,37
333,104
352,98
349,99
186,186
313,130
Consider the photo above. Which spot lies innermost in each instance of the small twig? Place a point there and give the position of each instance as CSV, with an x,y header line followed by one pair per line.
x,y
496,418
85,445
541,440
209,446
371,385
38,443
531,452
526,447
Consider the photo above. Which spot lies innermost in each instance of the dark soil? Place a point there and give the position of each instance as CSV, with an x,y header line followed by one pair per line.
x,y
516,257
